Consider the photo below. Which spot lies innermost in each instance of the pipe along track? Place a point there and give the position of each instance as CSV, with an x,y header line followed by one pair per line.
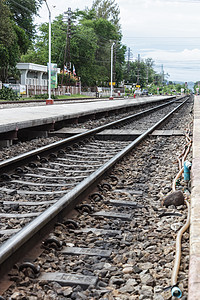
x,y
12,249
175,290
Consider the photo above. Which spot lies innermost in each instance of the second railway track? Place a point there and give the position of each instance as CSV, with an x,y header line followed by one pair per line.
x,y
40,184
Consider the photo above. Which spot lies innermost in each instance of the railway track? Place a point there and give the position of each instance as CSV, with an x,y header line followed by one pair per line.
x,y
102,117
67,174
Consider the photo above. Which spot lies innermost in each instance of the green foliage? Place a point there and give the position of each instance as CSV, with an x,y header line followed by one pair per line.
x,y
4,56
142,73
7,33
153,89
83,47
107,9
16,32
169,89
90,45
45,96
8,94
23,13
66,80
22,39
38,52
196,87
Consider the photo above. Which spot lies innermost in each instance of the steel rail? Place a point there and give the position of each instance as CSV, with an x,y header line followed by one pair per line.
x,y
23,158
56,211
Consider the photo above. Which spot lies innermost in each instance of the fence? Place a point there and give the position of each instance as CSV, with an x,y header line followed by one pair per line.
x,y
35,90
32,90
103,92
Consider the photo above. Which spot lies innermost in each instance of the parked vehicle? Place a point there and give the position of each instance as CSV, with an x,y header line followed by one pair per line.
x,y
145,92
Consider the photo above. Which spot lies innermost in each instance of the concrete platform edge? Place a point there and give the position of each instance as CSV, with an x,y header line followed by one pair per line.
x,y
194,264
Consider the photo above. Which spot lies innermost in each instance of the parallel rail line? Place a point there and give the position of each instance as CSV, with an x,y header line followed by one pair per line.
x,y
78,172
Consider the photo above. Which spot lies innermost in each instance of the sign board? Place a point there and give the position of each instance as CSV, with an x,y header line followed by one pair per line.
x,y
137,86
112,83
22,89
54,77
19,89
54,80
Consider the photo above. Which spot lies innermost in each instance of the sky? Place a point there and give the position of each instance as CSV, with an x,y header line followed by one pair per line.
x,y
165,30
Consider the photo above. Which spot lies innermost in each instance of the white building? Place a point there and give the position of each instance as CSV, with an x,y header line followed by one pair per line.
x,y
34,80
33,74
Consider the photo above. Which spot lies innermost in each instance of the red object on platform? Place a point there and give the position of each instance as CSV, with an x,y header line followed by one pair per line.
x,y
49,101
134,96
111,98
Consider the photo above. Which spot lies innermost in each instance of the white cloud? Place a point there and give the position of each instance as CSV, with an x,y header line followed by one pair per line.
x,y
159,18
183,65
172,56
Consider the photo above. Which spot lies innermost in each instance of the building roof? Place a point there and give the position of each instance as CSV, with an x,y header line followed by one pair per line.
x,y
31,67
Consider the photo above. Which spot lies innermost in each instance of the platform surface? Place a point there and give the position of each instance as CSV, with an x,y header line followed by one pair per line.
x,y
24,117
194,268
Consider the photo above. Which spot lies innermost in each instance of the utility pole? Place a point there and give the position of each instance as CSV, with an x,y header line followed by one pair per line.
x,y
148,66
111,75
114,63
68,39
147,75
138,70
49,100
162,74
67,56
129,56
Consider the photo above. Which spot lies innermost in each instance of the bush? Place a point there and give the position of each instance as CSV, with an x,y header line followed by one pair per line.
x,y
44,96
67,80
8,94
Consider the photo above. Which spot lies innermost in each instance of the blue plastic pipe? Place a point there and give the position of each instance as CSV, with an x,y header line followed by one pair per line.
x,y
187,167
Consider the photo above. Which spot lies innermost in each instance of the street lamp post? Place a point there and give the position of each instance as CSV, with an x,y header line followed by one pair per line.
x,y
111,75
49,100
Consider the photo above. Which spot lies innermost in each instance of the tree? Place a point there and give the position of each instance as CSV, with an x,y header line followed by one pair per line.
x,y
9,50
141,72
83,46
16,32
107,9
107,32
38,52
7,33
90,44
23,13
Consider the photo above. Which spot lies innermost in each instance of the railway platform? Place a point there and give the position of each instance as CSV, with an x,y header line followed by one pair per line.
x,y
194,268
43,118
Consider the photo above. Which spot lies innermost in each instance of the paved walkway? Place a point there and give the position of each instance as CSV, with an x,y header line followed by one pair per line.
x,y
24,117
194,269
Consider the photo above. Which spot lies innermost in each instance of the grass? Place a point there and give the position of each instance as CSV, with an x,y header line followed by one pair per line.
x,y
73,96
59,97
